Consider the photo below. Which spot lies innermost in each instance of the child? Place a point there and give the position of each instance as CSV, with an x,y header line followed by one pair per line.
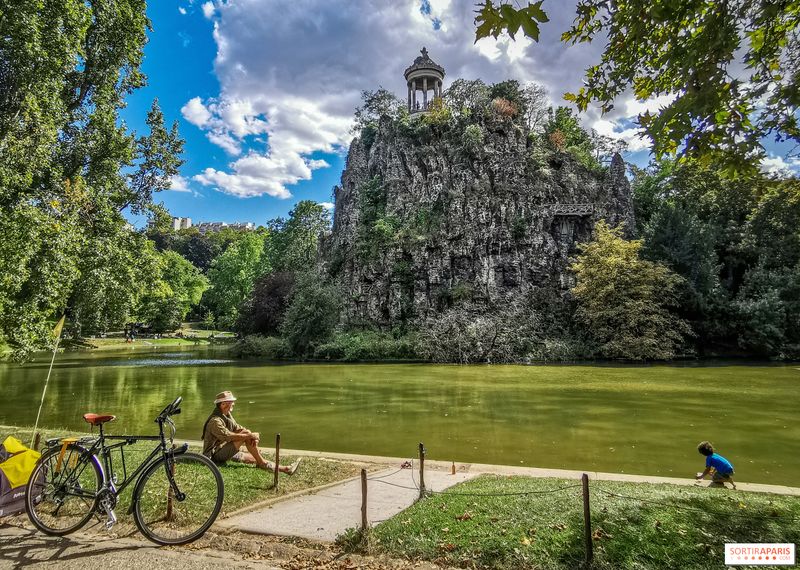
x,y
723,470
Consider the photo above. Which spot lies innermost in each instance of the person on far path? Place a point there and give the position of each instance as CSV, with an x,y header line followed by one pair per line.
x,y
721,467
223,438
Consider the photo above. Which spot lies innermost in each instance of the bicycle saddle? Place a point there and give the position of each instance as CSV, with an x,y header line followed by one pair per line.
x,y
98,419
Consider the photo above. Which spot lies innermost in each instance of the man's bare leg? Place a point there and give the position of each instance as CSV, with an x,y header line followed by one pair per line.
x,y
253,456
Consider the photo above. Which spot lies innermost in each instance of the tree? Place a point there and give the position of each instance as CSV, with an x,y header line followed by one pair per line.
x,y
624,301
69,167
690,52
312,313
376,104
180,287
293,243
264,311
232,276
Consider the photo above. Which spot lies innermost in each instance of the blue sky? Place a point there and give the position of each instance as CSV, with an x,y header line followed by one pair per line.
x,y
264,90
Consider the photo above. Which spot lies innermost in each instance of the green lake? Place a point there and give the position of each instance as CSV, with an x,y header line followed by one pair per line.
x,y
631,419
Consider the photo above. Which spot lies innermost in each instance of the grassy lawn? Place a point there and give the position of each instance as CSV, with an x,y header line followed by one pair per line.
x,y
244,485
680,527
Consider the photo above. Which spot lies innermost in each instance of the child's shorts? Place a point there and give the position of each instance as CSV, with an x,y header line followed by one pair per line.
x,y
721,476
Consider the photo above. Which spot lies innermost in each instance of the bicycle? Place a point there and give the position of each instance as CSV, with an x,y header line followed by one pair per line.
x,y
175,499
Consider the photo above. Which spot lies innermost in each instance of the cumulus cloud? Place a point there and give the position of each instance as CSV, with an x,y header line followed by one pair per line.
x,y
298,78
327,205
195,112
779,167
179,184
182,10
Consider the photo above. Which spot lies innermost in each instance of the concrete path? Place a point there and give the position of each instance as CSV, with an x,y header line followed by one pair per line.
x,y
329,512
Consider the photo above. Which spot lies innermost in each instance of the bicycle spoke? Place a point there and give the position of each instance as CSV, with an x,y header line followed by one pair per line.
x,y
165,519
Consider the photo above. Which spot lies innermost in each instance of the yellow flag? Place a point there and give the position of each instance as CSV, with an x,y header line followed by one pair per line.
x,y
59,326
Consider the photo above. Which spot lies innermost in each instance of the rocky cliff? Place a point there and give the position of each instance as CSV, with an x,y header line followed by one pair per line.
x,y
430,215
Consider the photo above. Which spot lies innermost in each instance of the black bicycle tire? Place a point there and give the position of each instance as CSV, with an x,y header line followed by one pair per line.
x,y
159,464
29,495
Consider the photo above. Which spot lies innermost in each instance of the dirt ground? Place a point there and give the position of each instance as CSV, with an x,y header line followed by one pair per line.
x,y
23,546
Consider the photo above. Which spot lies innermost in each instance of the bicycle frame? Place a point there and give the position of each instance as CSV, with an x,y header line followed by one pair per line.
x,y
99,448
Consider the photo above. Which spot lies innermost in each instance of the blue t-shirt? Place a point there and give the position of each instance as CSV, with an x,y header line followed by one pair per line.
x,y
722,465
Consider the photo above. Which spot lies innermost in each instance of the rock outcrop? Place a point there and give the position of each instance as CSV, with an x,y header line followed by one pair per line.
x,y
424,219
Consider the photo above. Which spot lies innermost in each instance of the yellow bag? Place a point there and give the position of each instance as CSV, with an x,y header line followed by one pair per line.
x,y
14,474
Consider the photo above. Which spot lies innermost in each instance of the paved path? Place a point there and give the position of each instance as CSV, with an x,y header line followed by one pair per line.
x,y
329,512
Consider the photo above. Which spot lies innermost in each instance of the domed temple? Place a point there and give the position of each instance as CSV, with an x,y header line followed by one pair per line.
x,y
423,75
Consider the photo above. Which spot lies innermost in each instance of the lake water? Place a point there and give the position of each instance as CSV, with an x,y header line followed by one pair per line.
x,y
631,419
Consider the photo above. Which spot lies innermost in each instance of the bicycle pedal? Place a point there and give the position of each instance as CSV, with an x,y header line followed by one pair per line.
x,y
112,519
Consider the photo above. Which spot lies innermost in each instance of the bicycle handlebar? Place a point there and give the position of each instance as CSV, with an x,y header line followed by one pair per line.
x,y
172,410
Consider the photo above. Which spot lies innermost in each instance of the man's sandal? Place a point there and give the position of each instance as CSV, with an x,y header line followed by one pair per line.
x,y
293,467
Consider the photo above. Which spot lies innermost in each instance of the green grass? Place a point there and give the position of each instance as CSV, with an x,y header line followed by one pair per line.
x,y
682,527
244,485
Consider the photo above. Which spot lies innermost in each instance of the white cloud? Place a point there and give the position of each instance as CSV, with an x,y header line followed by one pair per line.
x,y
195,112
179,184
182,10
208,9
777,166
327,205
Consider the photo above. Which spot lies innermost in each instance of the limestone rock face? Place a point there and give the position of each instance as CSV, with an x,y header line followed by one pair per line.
x,y
423,220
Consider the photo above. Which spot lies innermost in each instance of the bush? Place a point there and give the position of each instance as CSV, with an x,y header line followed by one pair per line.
x,y
472,139
366,346
504,107
467,336
270,347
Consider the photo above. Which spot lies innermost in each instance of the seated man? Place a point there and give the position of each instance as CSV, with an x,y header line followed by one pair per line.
x,y
223,438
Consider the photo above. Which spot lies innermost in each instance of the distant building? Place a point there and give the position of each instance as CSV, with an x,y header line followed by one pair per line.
x,y
205,227
181,223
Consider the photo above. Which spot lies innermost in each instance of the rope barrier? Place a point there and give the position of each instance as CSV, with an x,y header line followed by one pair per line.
x,y
517,494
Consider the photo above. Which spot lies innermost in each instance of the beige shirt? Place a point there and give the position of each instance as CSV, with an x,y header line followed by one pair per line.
x,y
219,430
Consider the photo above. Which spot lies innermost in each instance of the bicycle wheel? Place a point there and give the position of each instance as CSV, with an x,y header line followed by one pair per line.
x,y
161,516
61,494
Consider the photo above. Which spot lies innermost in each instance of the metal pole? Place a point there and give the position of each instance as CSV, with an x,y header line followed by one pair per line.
x,y
364,499
277,460
587,520
421,470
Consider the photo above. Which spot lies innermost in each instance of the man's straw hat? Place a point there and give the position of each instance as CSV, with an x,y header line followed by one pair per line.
x,y
226,396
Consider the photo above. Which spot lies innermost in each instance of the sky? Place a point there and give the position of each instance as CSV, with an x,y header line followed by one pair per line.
x,y
264,91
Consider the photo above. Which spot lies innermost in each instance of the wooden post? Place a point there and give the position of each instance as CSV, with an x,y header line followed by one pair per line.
x,y
37,438
587,520
364,500
277,460
421,470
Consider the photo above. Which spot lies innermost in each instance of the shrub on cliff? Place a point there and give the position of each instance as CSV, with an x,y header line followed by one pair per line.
x,y
366,346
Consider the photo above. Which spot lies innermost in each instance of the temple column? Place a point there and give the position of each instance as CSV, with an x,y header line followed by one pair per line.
x,y
414,94
409,96
425,92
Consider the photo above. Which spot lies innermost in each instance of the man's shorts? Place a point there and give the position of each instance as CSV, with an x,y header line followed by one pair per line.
x,y
717,476
228,452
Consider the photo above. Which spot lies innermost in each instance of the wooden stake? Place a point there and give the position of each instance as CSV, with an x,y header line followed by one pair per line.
x,y
587,520
421,470
364,499
37,438
277,460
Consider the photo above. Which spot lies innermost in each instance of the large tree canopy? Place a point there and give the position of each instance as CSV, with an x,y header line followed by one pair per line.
x,y
69,167
731,68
